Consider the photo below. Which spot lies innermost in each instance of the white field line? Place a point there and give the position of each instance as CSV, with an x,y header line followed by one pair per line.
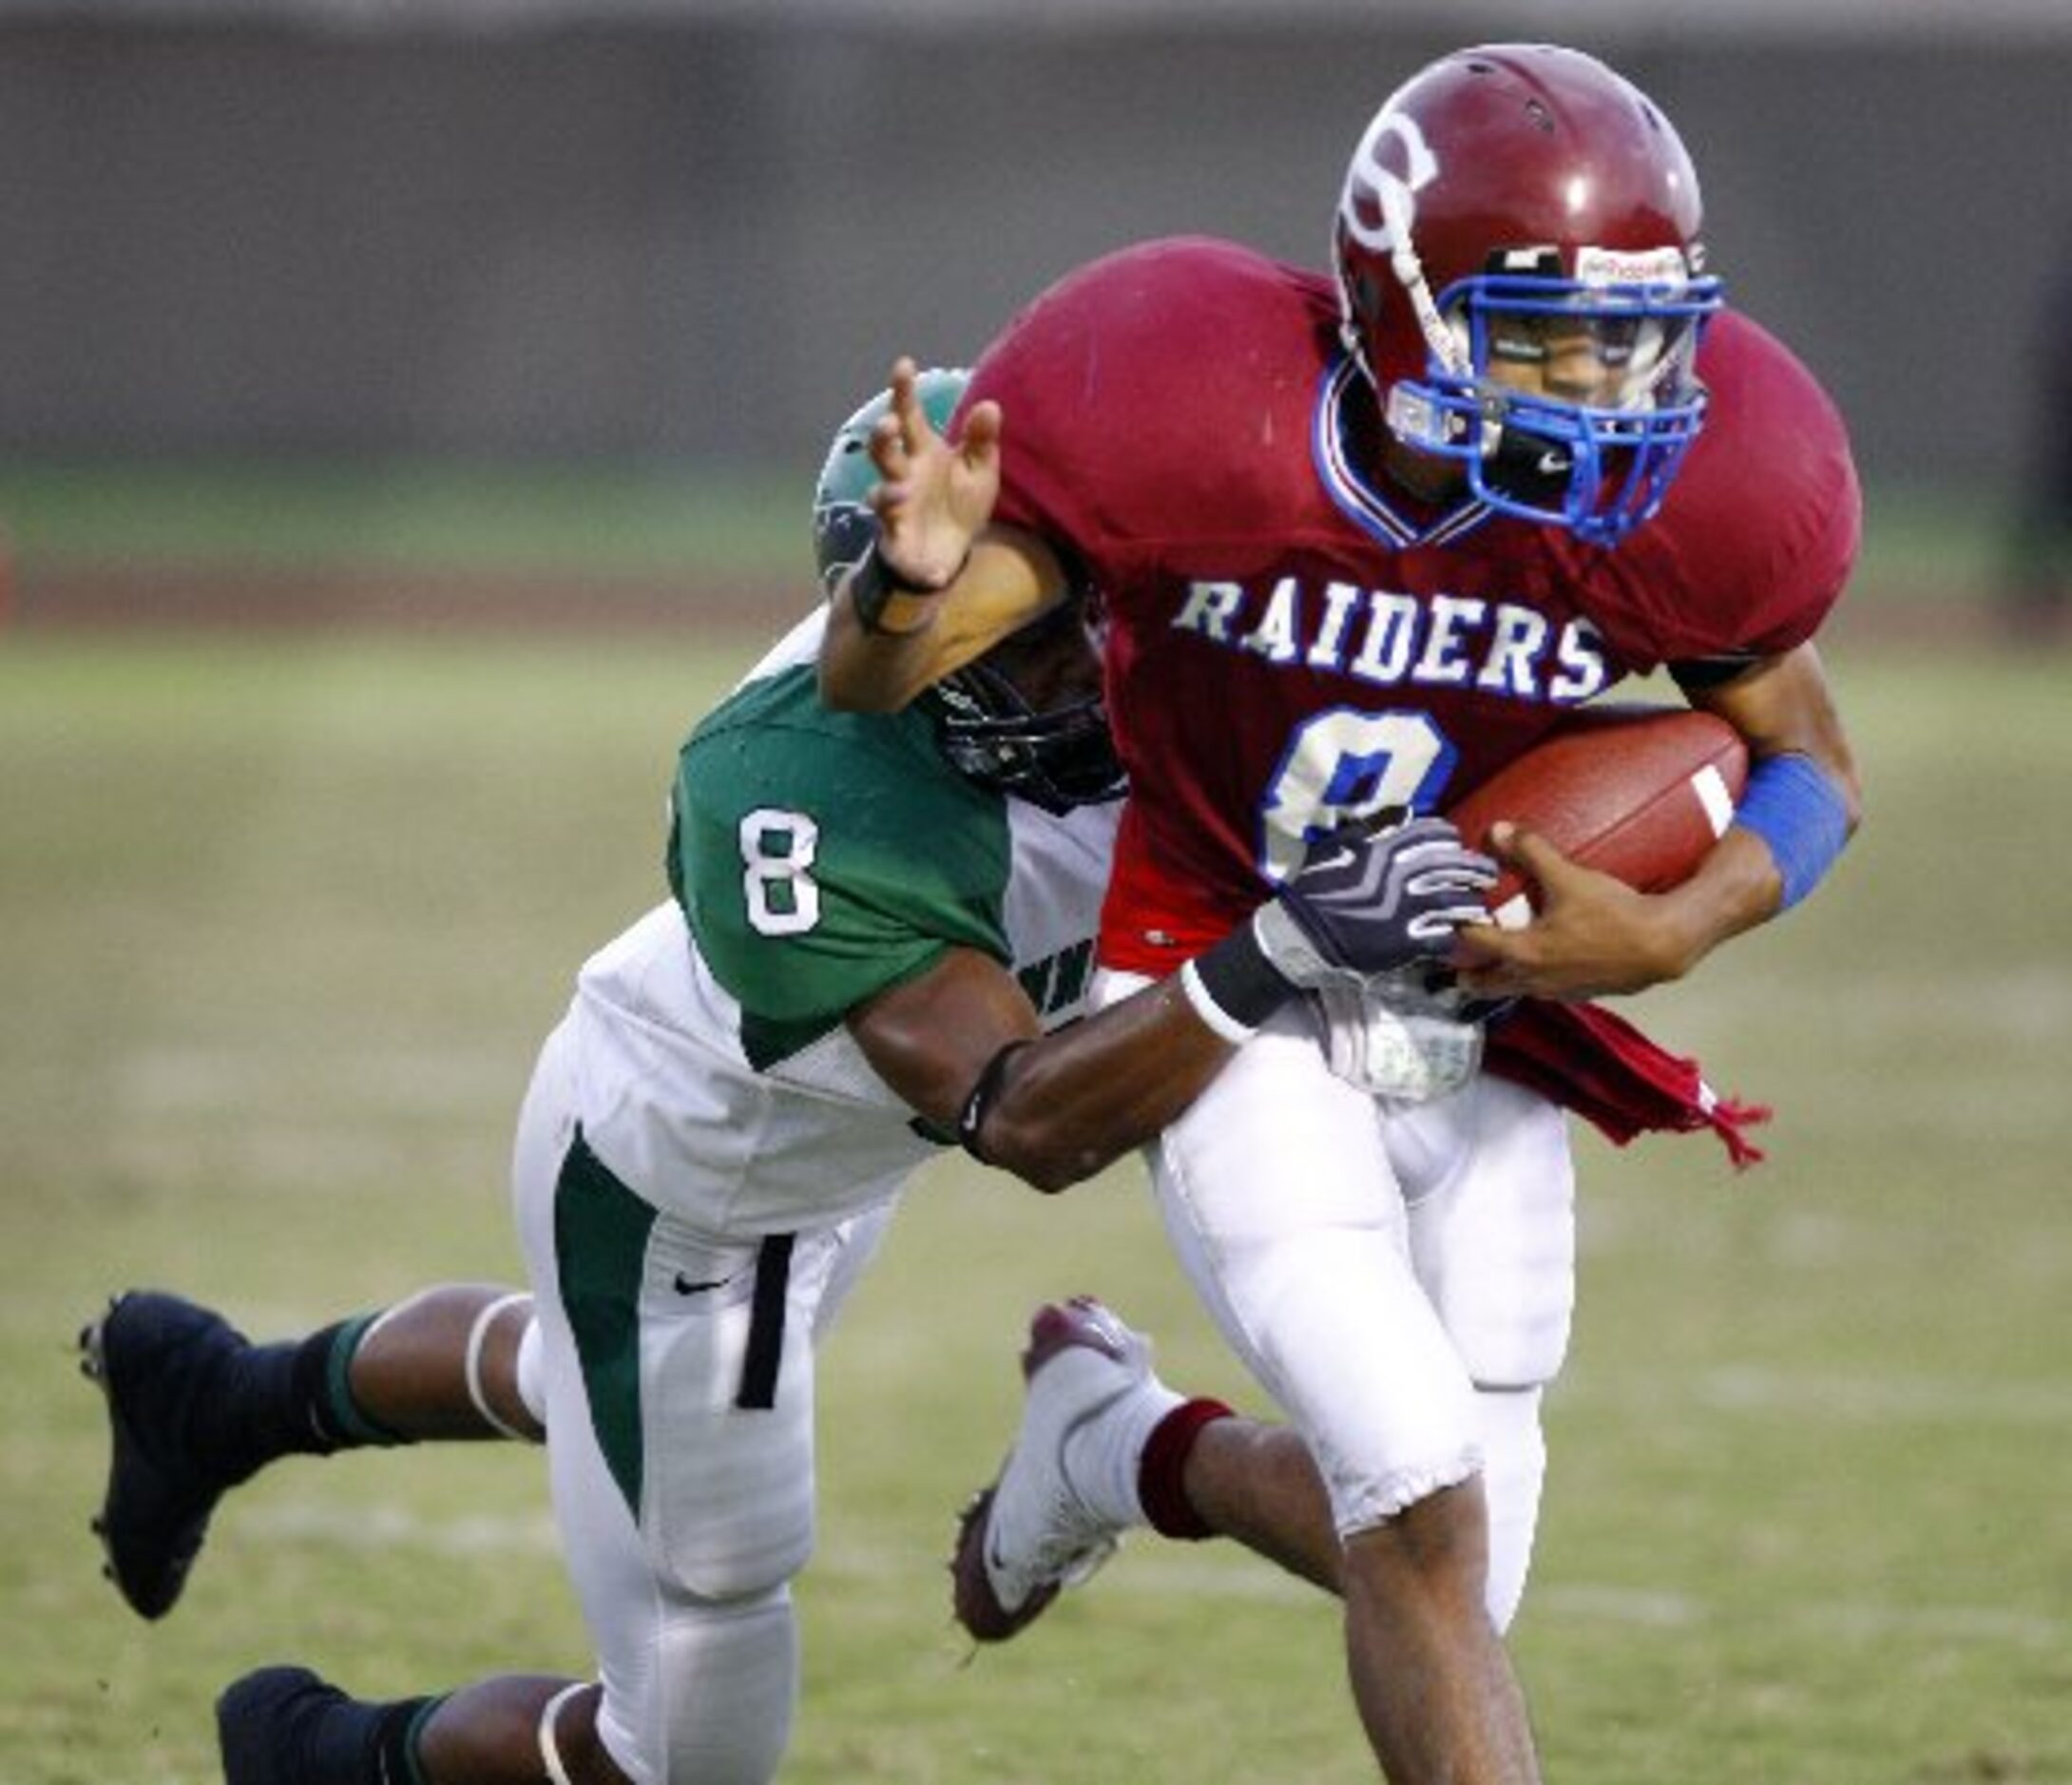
x,y
389,1524
2032,1004
1851,1618
1149,1571
1862,1400
160,1082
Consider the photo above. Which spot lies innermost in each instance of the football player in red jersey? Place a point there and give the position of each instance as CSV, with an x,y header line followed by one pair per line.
x,y
1361,540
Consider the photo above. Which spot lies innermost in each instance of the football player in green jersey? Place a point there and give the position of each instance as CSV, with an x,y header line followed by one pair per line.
x,y
879,940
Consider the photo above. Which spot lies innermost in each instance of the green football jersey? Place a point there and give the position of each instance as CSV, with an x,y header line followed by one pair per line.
x,y
823,856
816,859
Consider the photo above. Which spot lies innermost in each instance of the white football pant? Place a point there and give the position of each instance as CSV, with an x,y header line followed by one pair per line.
x,y
1399,1278
684,1515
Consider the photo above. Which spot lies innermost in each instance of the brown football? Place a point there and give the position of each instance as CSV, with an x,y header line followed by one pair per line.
x,y
1642,793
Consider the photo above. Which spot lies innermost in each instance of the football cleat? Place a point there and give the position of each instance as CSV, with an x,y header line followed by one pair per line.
x,y
1029,1535
266,1726
156,1358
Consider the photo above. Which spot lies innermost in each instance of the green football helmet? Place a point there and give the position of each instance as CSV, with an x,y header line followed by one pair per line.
x,y
1058,758
843,526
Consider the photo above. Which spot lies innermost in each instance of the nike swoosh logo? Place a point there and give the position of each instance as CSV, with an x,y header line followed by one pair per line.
x,y
685,1287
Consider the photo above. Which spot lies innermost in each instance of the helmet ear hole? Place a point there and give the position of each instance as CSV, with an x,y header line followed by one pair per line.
x,y
842,533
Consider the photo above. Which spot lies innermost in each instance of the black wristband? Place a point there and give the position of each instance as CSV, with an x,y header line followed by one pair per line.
x,y
1238,979
1697,674
872,582
981,1098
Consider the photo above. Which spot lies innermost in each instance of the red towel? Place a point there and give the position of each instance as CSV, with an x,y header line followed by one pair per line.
x,y
1598,1065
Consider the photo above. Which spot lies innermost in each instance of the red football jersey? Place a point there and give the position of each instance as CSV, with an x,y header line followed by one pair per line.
x,y
1291,640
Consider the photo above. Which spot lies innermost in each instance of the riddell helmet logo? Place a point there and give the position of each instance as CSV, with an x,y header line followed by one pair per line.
x,y
1616,266
1380,205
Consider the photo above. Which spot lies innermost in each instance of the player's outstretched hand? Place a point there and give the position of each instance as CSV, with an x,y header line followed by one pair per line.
x,y
1371,901
934,494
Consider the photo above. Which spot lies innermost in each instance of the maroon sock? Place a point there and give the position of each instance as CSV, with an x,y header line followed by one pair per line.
x,y
1160,1474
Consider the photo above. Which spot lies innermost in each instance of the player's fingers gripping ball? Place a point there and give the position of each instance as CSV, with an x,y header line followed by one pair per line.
x,y
1642,794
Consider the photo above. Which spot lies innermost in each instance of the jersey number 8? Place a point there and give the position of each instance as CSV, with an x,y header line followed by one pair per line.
x,y
777,848
1342,765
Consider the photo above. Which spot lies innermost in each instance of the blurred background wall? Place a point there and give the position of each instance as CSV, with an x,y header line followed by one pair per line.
x,y
698,229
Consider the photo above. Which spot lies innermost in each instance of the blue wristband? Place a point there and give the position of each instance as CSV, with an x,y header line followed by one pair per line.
x,y
1798,812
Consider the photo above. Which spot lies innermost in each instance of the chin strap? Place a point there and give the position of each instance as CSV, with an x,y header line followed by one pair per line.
x,y
1399,211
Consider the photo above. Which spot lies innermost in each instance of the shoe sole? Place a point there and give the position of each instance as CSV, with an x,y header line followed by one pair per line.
x,y
972,1596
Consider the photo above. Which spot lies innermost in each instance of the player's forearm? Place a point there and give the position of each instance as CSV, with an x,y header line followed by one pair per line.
x,y
1366,901
864,671
1804,796
1735,888
1074,1101
877,660
1761,868
1801,806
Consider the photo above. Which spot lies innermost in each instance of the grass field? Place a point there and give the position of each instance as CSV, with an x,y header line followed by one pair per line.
x,y
284,920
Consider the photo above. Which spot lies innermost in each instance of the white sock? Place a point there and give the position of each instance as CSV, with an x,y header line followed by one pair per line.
x,y
1102,1457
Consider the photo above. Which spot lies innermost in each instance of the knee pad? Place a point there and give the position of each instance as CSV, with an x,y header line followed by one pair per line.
x,y
728,1500
713,1700
693,1363
730,1684
1494,1242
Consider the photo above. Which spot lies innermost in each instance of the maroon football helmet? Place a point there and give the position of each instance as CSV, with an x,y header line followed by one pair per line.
x,y
1502,192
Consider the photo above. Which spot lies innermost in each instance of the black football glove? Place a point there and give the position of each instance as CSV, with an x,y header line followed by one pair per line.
x,y
1367,901
1371,902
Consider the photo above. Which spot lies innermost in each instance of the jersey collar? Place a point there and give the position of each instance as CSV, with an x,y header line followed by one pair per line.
x,y
1356,496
